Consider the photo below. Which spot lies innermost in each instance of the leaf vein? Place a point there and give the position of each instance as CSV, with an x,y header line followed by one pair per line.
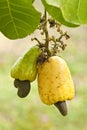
x,y
12,17
4,15
6,24
4,7
22,29
19,6
20,12
21,21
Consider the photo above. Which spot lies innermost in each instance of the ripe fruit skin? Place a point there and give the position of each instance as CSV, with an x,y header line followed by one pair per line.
x,y
54,81
25,67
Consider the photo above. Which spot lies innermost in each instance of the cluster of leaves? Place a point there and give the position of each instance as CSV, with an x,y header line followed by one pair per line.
x,y
19,18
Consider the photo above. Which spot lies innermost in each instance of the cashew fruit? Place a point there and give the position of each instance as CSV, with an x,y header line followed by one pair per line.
x,y
25,67
62,107
54,81
23,87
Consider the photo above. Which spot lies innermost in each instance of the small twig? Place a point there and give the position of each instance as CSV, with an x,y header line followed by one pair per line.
x,y
36,40
45,29
50,45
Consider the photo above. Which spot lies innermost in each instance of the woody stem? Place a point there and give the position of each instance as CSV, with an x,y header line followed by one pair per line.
x,y
46,35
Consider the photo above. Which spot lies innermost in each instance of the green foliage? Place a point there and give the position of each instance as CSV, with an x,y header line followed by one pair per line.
x,y
56,13
19,18
74,11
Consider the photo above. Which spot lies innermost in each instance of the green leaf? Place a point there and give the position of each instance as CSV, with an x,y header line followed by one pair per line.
x,y
18,18
53,9
74,11
53,2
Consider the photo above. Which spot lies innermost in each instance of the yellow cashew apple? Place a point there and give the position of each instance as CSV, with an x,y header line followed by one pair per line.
x,y
55,83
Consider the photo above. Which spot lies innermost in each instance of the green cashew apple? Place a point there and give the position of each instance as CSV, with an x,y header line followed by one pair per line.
x,y
25,67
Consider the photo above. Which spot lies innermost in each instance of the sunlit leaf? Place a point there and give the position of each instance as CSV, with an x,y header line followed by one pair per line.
x,y
18,18
53,9
74,11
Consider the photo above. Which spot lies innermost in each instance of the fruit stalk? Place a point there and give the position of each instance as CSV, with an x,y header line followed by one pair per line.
x,y
45,30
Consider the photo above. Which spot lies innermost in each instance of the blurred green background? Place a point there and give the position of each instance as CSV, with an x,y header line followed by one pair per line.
x,y
30,113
